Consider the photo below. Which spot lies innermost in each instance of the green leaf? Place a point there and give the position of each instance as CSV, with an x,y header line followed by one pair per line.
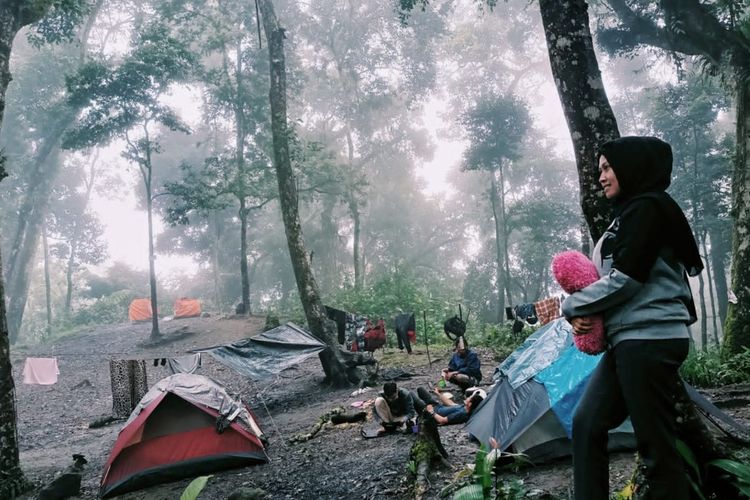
x,y
737,469
688,457
470,492
696,488
194,488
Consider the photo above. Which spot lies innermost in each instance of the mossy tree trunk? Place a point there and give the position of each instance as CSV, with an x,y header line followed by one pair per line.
x,y
14,14
588,113
334,367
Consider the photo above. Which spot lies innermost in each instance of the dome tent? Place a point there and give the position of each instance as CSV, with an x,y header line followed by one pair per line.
x,y
185,425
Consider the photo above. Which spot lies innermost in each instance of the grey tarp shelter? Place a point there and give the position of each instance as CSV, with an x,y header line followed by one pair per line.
x,y
268,353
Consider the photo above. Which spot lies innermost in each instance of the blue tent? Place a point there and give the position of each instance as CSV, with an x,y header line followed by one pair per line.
x,y
530,408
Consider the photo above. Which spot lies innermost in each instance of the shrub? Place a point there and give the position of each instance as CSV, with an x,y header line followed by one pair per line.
x,y
109,309
707,369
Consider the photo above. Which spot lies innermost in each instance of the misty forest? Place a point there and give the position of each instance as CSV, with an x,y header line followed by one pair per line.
x,y
309,168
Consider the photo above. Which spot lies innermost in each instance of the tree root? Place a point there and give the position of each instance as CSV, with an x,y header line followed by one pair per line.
x,y
322,422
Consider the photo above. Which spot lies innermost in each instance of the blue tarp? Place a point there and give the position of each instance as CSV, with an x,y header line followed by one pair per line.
x,y
537,352
565,380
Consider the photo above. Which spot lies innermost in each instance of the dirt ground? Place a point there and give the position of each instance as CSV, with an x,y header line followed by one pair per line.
x,y
53,421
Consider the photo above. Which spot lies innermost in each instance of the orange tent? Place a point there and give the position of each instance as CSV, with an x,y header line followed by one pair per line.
x,y
140,310
187,308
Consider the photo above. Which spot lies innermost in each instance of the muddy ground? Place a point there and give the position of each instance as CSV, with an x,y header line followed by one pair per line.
x,y
53,421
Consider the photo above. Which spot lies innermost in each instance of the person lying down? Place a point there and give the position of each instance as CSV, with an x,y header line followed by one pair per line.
x,y
443,408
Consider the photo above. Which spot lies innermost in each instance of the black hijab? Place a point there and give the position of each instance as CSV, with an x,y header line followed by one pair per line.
x,y
643,167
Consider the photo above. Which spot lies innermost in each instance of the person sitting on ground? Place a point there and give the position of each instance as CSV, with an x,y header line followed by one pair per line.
x,y
464,368
444,410
394,407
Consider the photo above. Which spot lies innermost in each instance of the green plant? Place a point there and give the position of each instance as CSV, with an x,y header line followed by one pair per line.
x,y
411,466
694,472
485,478
737,472
736,368
708,369
194,488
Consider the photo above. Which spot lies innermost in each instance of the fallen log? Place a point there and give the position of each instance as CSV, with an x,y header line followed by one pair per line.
x,y
334,416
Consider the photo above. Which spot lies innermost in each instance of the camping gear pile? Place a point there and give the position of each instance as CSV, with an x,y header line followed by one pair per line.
x,y
357,333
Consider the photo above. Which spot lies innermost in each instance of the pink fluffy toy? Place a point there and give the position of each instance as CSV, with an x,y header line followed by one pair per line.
x,y
574,271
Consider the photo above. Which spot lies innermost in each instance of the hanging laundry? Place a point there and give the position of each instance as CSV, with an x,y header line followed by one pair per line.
x,y
527,313
129,385
184,364
547,310
339,317
405,326
40,371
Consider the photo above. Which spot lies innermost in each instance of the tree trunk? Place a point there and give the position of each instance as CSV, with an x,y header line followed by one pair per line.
x,y
14,14
239,118
155,334
587,110
499,245
45,168
718,263
506,257
308,289
709,279
28,230
737,327
704,312
12,479
69,278
47,286
218,297
354,210
243,258
329,230
585,238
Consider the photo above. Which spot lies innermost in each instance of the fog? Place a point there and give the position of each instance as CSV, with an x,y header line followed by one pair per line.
x,y
404,137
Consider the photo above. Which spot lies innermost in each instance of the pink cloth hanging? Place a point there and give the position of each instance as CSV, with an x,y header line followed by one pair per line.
x,y
41,371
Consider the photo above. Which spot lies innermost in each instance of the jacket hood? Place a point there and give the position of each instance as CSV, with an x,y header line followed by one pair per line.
x,y
641,164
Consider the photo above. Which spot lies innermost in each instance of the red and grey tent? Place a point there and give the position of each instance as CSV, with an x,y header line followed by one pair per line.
x,y
186,425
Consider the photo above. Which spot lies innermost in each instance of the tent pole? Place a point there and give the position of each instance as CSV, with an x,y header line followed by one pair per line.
x,y
426,339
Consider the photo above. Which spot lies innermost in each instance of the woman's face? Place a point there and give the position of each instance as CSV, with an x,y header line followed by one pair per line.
x,y
608,179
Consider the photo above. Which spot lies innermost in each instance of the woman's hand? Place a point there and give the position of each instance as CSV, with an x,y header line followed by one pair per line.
x,y
581,325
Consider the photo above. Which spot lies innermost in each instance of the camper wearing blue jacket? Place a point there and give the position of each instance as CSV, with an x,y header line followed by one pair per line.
x,y
464,368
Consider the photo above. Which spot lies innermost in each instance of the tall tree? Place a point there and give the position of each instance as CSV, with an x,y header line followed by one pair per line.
x,y
234,74
496,128
717,33
333,365
124,102
14,15
684,114
367,76
60,27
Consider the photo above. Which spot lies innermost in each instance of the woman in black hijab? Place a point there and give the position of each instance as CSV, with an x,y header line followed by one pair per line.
x,y
644,259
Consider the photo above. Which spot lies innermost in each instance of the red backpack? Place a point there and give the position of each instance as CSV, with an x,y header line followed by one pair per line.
x,y
375,336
